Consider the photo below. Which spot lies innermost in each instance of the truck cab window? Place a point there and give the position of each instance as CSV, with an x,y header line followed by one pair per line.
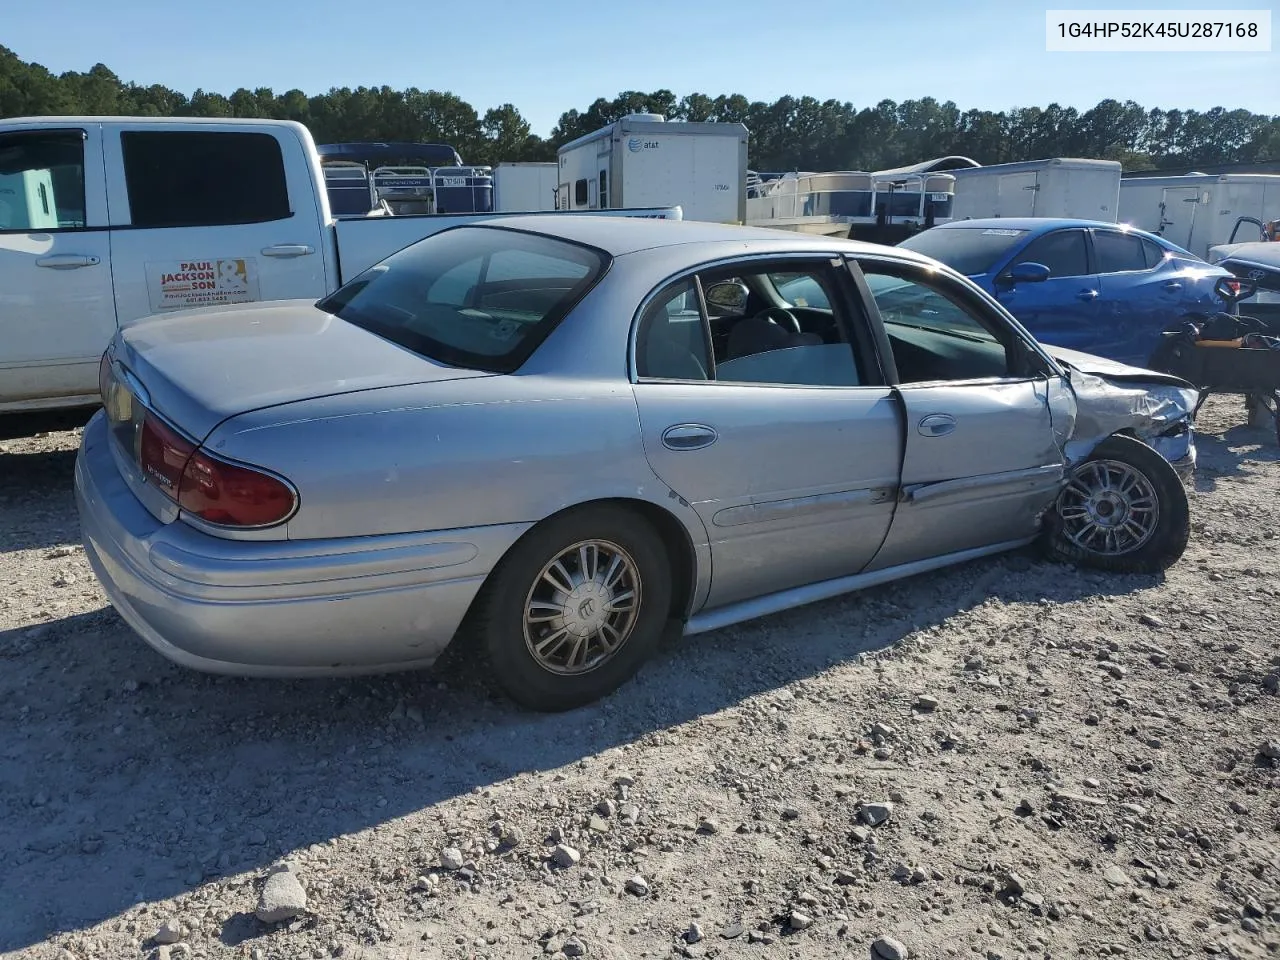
x,y
193,179
41,182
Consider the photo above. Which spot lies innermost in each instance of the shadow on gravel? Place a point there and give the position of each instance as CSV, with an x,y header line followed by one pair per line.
x,y
36,494
13,426
1230,453
128,779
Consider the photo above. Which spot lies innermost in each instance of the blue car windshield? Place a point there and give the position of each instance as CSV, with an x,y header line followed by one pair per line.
x,y
968,250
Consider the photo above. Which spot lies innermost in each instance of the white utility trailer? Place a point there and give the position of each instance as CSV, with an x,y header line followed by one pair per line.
x,y
1198,211
644,161
525,187
1057,187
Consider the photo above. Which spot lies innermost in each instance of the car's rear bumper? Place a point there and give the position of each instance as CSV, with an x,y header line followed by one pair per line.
x,y
277,608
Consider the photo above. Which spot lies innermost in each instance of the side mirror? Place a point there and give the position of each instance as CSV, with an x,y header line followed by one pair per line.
x,y
1029,272
729,294
1234,289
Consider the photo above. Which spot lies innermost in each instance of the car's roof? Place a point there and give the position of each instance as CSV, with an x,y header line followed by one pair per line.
x,y
1035,224
620,235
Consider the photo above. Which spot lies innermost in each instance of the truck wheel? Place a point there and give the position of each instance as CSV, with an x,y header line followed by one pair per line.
x,y
575,607
1123,509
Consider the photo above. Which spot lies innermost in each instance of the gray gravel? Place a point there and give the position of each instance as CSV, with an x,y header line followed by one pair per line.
x,y
1070,763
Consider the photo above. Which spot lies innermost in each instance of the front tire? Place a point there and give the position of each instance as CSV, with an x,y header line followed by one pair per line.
x,y
575,607
1124,509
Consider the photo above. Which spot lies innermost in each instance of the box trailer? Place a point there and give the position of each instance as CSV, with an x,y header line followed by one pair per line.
x,y
643,160
1198,211
1057,187
525,187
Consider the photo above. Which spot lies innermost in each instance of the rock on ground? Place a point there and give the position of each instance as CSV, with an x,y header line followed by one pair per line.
x,y
282,898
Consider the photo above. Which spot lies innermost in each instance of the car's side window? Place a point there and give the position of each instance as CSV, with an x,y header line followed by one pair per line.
x,y
1063,252
781,324
41,182
671,342
783,336
1155,254
936,333
1118,252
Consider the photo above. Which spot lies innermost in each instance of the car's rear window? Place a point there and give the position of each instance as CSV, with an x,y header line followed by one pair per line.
x,y
476,297
967,250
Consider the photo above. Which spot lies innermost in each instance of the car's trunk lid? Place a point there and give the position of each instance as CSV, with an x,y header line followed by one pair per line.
x,y
200,367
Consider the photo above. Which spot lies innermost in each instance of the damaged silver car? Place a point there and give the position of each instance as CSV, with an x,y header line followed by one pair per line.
x,y
551,437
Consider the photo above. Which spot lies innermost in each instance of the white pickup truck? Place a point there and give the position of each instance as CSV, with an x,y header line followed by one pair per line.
x,y
105,220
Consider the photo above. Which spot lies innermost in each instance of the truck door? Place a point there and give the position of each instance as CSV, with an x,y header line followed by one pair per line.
x,y
56,307
210,215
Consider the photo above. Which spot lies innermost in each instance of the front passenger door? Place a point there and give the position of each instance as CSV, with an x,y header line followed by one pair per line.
x,y
985,418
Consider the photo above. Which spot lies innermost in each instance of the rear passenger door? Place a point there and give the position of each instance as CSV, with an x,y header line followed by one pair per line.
x,y
786,443
1142,294
209,216
986,417
1062,310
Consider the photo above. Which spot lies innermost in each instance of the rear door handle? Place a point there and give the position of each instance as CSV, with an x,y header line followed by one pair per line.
x,y
1173,285
67,261
936,425
1087,295
288,250
688,436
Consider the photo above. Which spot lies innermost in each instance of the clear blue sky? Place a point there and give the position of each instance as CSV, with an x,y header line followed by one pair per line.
x,y
548,57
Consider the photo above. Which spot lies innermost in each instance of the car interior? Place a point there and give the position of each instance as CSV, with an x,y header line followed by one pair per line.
x,y
780,328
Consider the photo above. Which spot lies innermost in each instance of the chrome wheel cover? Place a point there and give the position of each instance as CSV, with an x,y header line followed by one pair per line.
x,y
1108,508
582,607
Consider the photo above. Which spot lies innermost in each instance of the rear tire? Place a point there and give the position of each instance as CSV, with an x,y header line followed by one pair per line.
x,y
1124,510
575,608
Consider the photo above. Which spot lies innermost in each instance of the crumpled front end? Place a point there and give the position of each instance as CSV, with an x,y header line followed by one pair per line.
x,y
1158,412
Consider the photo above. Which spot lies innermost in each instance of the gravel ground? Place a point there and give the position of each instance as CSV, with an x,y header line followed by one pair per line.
x,y
1010,758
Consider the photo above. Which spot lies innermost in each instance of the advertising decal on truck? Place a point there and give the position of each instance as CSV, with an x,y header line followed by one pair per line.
x,y
202,283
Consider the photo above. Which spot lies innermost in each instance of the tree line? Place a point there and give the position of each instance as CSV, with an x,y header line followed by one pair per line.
x,y
789,133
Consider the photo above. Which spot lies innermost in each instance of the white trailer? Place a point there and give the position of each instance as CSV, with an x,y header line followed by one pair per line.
x,y
1058,187
525,187
642,160
1198,211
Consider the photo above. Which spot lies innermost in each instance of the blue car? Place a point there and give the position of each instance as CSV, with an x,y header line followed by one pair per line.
x,y
1101,288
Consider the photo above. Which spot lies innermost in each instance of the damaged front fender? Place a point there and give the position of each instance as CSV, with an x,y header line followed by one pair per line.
x,y
1158,411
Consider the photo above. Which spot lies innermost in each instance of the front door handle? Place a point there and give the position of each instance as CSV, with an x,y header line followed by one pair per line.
x,y
688,436
1087,295
936,425
67,261
288,250
1173,285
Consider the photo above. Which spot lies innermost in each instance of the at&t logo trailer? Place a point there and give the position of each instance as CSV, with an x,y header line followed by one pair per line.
x,y
636,144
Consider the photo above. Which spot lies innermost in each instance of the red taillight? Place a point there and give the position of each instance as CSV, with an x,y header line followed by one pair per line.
x,y
215,491
233,495
162,454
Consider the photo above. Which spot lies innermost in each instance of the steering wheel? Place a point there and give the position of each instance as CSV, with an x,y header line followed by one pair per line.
x,y
782,317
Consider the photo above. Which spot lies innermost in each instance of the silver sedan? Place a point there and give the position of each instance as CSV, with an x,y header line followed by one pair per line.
x,y
552,437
